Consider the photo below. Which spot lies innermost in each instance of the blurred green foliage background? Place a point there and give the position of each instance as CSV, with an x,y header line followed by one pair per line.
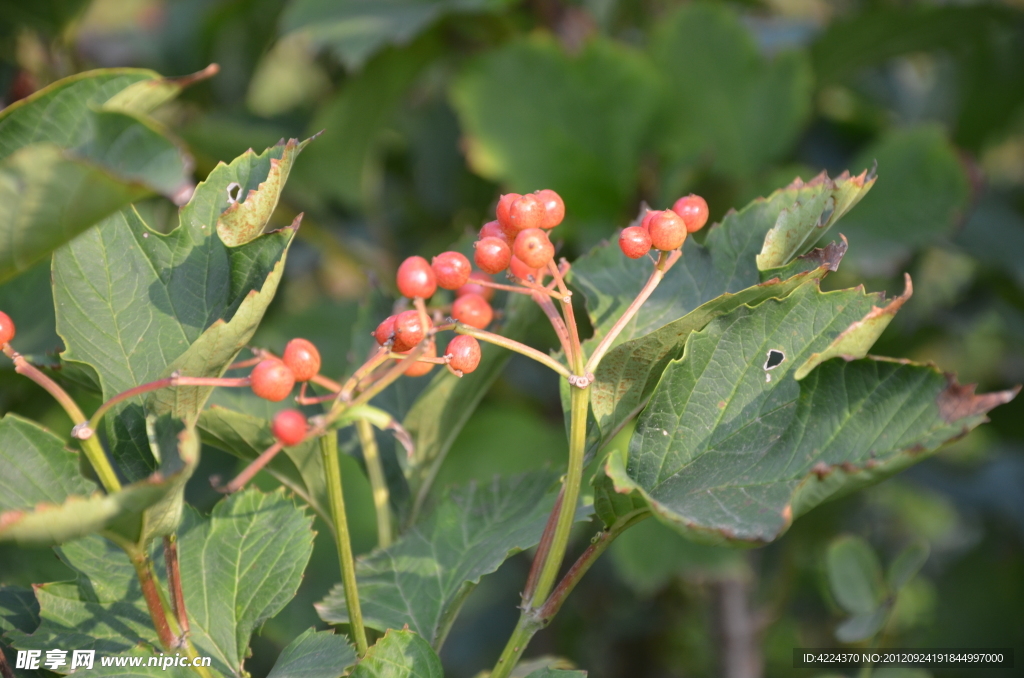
x,y
431,108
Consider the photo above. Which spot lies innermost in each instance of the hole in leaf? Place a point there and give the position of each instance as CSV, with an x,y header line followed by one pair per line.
x,y
234,192
775,358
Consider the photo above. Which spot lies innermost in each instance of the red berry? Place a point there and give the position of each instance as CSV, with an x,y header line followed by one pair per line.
x,y
476,288
667,230
533,248
409,330
418,369
465,353
526,212
385,332
492,255
502,210
554,208
473,310
645,223
271,380
289,427
7,329
451,269
302,359
416,279
635,241
524,272
493,229
694,211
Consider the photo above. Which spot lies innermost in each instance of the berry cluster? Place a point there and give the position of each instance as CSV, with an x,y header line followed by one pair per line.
x,y
274,378
665,230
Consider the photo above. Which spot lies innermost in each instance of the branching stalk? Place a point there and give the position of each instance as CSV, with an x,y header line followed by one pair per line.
x,y
254,467
513,345
168,382
332,471
374,469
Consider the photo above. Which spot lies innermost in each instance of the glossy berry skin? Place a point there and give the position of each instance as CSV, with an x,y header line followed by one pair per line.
x,y
476,288
554,208
451,269
271,380
492,255
302,359
492,229
385,332
526,212
693,210
533,248
667,231
473,310
502,210
7,329
409,330
465,353
635,241
289,427
415,278
418,369
524,272
645,223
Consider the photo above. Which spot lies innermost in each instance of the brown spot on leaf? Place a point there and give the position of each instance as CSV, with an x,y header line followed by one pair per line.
x,y
957,402
821,469
787,514
828,256
8,518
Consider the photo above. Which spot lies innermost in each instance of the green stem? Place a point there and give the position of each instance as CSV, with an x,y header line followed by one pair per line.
x,y
332,471
375,470
513,345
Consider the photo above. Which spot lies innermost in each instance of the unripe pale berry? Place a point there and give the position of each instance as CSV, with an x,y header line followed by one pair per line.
x,y
473,310
526,212
465,353
493,229
7,329
635,241
693,210
533,248
476,288
554,208
418,369
289,427
524,272
451,269
302,359
271,380
492,255
386,330
415,278
409,330
667,231
502,210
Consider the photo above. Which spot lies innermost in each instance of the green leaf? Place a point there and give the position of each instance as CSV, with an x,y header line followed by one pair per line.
x,y
238,567
423,578
18,611
613,507
78,150
128,305
924,194
907,564
576,123
729,450
855,575
862,626
356,29
399,654
749,110
47,502
314,654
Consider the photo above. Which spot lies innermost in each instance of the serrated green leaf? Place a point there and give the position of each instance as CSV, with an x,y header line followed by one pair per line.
x,y
314,654
18,611
855,575
862,626
424,577
35,467
356,29
238,567
136,305
729,450
752,109
907,564
399,654
577,123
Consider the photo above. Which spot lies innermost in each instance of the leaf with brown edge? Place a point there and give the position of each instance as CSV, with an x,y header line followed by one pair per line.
x,y
248,215
732,448
857,339
828,257
959,402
